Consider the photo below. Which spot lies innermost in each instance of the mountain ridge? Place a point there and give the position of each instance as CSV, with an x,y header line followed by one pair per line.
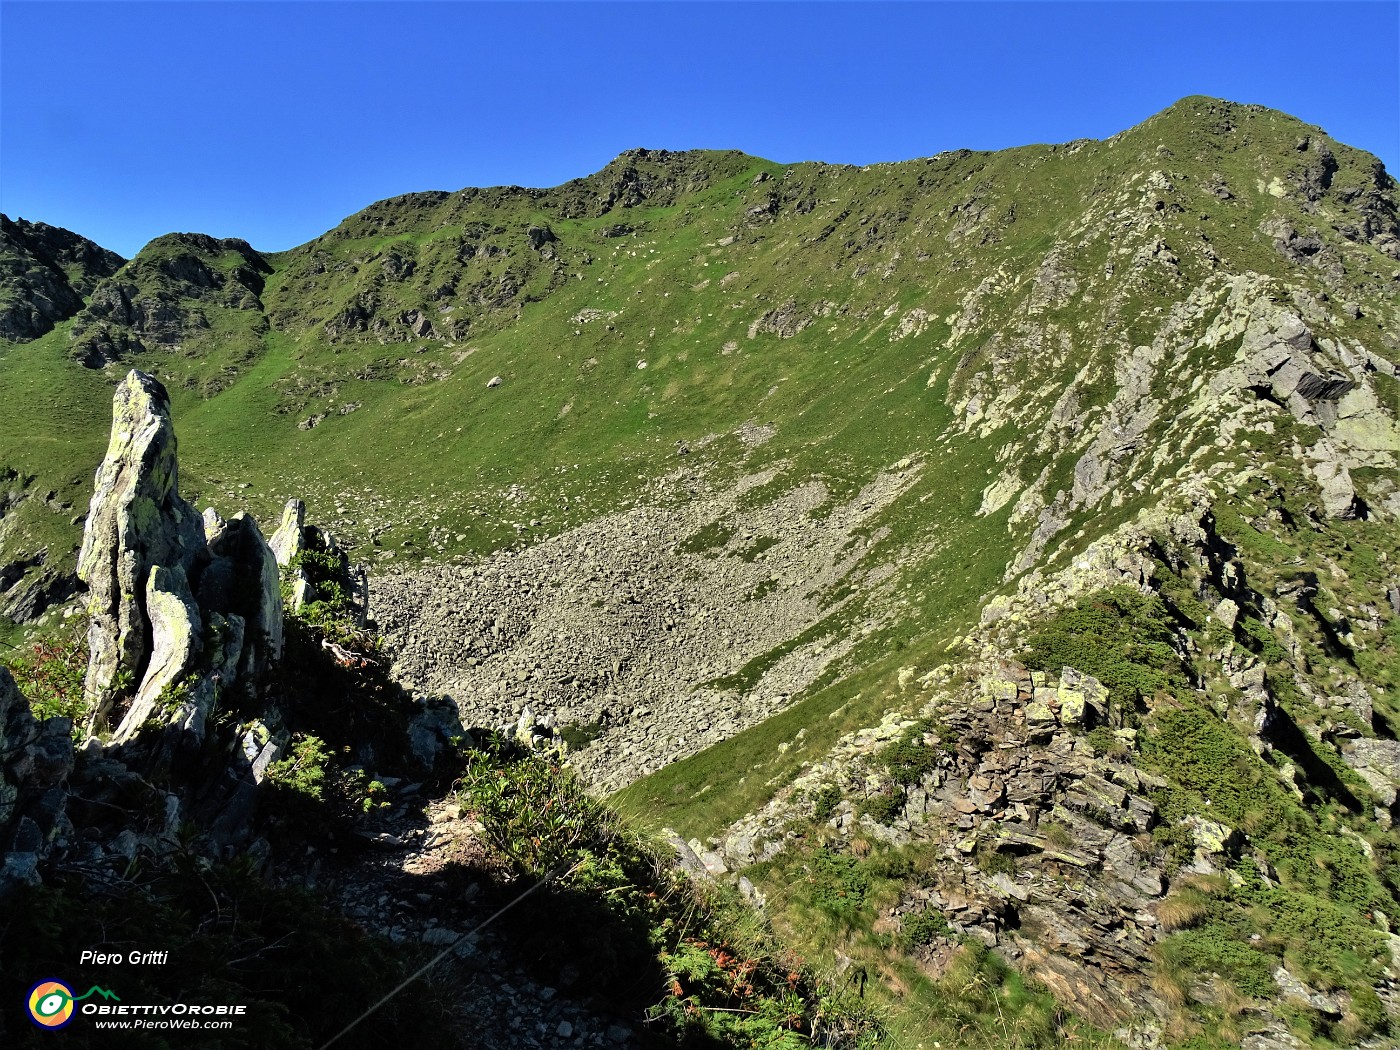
x,y
807,504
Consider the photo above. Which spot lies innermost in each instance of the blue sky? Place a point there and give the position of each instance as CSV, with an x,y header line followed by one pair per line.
x,y
273,121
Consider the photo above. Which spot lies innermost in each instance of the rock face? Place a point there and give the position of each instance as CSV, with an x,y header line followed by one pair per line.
x,y
182,605
36,758
1014,777
286,542
169,295
249,588
293,540
46,273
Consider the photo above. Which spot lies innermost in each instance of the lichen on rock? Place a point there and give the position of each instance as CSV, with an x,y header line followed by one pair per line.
x,y
136,521
162,577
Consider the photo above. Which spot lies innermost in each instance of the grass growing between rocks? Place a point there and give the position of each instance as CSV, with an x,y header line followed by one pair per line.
x,y
1304,890
931,985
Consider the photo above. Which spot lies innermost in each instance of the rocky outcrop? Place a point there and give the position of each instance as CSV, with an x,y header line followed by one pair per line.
x,y
28,599
1319,382
286,542
170,295
36,758
1012,777
183,606
1378,763
45,274
136,522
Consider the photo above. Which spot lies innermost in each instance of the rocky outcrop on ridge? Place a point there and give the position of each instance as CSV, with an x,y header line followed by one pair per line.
x,y
174,781
46,273
295,542
186,624
1014,775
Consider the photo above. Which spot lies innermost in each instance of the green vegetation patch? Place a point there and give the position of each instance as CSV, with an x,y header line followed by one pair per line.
x,y
50,674
699,963
1121,637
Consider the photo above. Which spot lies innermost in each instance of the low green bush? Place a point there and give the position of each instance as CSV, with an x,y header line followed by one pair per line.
x,y
644,928
838,883
824,802
50,674
909,759
1121,637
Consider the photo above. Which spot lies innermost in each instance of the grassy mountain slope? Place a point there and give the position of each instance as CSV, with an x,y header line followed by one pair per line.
x,y
980,367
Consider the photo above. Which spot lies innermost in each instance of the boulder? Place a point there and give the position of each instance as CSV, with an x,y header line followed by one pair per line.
x,y
1213,840
1329,470
1083,698
1378,763
436,728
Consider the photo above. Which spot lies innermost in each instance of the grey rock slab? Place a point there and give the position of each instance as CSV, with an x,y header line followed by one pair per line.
x,y
176,630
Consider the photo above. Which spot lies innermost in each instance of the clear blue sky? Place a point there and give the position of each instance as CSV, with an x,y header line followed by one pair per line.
x,y
273,121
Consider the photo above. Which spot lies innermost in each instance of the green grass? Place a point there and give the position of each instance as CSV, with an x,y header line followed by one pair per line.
x,y
828,899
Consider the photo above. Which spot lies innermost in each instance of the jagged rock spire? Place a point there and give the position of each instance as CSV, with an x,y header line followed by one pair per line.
x,y
184,606
136,521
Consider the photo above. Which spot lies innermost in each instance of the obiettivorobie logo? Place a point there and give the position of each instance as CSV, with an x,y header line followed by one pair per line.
x,y
53,1005
51,1002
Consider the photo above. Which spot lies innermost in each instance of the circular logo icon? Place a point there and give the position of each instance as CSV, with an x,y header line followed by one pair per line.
x,y
51,1004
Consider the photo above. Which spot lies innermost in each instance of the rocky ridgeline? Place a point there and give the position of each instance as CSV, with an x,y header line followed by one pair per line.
x,y
1343,700
1267,358
625,627
47,273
